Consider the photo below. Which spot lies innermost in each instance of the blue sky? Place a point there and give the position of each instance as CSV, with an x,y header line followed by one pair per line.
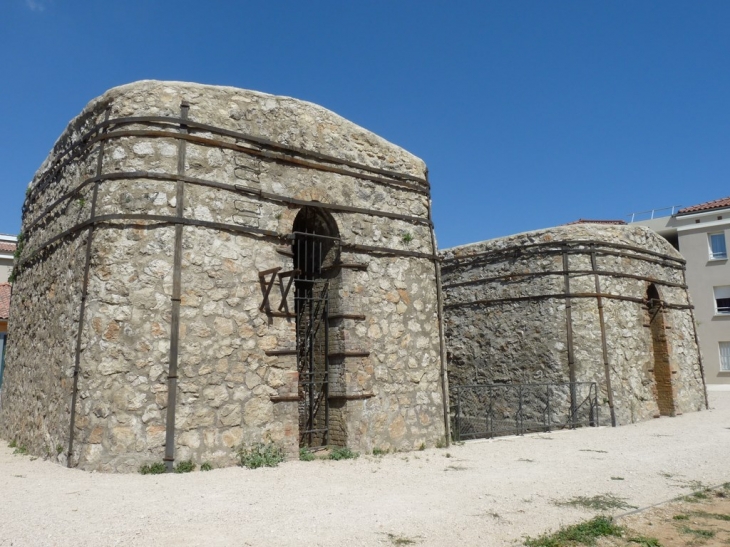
x,y
528,113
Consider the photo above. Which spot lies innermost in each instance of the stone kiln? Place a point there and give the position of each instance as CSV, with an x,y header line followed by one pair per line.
x,y
578,303
204,267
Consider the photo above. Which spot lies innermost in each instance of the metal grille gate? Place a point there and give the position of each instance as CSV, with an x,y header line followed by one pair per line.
x,y
492,410
312,256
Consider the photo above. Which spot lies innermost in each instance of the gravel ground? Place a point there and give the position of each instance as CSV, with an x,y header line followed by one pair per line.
x,y
490,492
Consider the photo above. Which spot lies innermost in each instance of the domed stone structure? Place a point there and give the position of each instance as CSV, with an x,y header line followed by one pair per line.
x,y
602,307
207,267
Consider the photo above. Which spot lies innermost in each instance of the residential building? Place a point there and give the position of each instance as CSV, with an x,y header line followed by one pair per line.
x,y
700,233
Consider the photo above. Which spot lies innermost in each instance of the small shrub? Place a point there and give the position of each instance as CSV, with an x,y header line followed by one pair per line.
x,y
422,447
407,237
343,453
305,454
185,466
206,466
12,444
20,450
260,455
59,449
681,517
380,452
441,443
584,533
156,468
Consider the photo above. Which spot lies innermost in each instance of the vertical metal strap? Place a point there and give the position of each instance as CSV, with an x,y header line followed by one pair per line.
x,y
569,334
440,317
697,340
604,346
176,292
84,293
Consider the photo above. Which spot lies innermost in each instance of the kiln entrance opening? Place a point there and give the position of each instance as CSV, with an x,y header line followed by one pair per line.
x,y
316,248
660,353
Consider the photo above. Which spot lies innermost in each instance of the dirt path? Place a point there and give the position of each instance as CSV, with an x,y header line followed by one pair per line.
x,y
481,493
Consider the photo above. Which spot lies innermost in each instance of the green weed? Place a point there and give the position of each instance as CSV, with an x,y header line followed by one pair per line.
x,y
154,469
645,541
680,517
305,454
600,502
400,540
698,532
343,453
380,452
260,455
206,466
584,533
185,466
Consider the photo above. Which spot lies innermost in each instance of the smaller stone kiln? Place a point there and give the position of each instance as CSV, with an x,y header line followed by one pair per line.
x,y
603,304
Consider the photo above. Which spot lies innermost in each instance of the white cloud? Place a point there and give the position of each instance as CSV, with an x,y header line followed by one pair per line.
x,y
35,5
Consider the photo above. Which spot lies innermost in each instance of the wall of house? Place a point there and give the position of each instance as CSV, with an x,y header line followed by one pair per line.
x,y
704,273
503,326
237,377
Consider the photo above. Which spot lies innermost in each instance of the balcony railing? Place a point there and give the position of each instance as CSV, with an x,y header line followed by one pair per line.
x,y
654,213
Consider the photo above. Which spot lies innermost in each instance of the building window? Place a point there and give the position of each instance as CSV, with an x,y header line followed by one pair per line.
x,y
722,299
725,356
718,250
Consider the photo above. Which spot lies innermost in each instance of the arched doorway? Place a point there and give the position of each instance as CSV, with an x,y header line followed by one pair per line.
x,y
660,353
316,250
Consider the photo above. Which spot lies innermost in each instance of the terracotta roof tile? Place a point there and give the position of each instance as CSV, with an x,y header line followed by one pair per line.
x,y
707,206
7,247
4,300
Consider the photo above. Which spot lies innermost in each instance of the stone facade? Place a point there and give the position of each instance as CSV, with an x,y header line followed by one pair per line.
x,y
157,252
512,315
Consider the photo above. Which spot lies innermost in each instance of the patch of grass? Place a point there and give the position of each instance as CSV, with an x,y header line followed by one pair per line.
x,y
59,449
206,466
260,455
716,516
584,533
617,478
600,502
694,497
697,532
400,540
681,517
20,450
441,443
422,447
185,466
343,453
12,444
305,454
406,237
156,468
380,452
645,541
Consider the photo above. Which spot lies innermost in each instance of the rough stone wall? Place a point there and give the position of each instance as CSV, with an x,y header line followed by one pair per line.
x,y
502,326
237,375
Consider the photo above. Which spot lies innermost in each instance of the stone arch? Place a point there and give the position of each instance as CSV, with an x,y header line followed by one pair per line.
x,y
659,364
